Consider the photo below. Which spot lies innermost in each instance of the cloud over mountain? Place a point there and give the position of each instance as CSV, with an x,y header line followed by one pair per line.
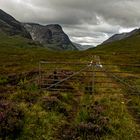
x,y
86,21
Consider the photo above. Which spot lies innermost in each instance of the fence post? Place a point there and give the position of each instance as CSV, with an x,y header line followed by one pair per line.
x,y
39,79
93,79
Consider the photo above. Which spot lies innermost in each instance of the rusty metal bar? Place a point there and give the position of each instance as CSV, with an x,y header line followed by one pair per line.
x,y
134,65
66,86
62,90
120,80
65,63
104,82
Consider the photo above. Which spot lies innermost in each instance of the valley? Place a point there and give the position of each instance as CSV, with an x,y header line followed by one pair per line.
x,y
107,113
46,94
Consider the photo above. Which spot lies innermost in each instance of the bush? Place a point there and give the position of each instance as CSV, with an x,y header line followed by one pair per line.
x,y
52,103
3,80
10,120
92,122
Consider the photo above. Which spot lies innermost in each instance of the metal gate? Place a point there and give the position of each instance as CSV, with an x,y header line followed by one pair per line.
x,y
86,77
67,76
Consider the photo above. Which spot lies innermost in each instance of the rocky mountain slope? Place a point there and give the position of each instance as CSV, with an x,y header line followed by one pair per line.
x,y
11,26
50,34
117,37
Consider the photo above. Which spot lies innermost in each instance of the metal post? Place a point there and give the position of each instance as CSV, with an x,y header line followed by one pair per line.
x,y
39,79
93,79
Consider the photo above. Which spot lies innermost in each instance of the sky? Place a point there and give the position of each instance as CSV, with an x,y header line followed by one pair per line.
x,y
88,22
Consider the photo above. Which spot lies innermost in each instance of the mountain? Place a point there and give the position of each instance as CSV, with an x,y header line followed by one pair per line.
x,y
11,26
52,35
117,37
83,47
125,45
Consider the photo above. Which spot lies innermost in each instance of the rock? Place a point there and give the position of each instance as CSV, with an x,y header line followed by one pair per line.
x,y
48,35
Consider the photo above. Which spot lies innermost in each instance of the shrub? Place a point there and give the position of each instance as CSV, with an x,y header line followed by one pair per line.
x,y
3,80
92,122
10,120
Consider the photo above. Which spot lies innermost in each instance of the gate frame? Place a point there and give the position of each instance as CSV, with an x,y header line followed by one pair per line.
x,y
91,64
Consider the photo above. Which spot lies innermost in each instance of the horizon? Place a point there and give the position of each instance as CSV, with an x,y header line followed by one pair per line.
x,y
86,23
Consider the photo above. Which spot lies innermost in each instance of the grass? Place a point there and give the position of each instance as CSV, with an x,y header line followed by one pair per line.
x,y
20,55
39,124
113,105
3,80
110,113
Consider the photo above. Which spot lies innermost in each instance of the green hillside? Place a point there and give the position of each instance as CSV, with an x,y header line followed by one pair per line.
x,y
126,51
24,54
131,44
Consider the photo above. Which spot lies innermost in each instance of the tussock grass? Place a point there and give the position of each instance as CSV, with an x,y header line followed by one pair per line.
x,y
116,108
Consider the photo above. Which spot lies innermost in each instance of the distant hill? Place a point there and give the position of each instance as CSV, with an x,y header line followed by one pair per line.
x,y
129,44
50,34
125,51
11,26
118,37
82,47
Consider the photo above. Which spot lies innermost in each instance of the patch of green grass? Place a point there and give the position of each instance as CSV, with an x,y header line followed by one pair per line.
x,y
134,105
26,92
120,120
39,124
3,80
19,55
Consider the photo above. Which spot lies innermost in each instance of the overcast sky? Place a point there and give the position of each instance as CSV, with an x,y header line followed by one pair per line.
x,y
85,21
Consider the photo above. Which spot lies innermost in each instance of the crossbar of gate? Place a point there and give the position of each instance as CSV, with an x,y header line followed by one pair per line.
x,y
52,86
69,77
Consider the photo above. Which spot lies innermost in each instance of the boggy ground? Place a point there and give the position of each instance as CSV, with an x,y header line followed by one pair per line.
x,y
28,112
77,115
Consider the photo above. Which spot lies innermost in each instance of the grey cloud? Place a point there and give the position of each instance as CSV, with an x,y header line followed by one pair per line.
x,y
92,20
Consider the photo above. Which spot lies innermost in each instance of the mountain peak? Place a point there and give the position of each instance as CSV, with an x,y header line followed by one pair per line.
x,y
55,26
51,34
